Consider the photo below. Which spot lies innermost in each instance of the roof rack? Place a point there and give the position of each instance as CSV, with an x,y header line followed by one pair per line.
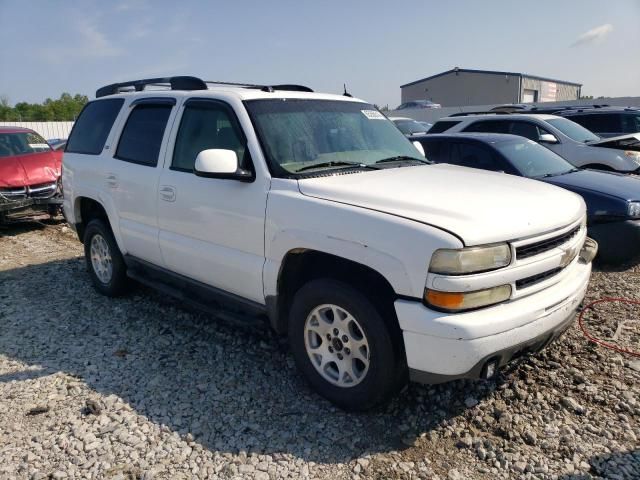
x,y
188,83
176,83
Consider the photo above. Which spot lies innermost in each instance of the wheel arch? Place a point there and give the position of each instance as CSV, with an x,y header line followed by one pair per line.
x,y
301,265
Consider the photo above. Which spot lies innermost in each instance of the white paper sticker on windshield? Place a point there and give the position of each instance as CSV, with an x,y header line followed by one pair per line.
x,y
373,114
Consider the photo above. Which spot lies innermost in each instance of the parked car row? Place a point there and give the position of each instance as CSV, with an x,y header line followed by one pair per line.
x,y
612,199
29,174
603,120
316,212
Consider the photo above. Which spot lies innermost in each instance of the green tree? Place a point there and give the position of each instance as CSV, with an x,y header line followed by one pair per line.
x,y
65,108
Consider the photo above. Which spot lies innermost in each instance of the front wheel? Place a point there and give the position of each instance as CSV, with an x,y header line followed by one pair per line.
x,y
342,345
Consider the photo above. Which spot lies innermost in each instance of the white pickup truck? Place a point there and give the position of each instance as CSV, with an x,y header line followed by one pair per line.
x,y
315,212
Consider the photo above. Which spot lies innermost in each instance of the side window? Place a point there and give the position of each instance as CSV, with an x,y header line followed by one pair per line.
x,y
488,126
93,125
524,129
442,126
141,137
436,151
474,156
206,125
630,123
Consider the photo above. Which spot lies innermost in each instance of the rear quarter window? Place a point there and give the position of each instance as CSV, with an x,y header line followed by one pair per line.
x,y
93,125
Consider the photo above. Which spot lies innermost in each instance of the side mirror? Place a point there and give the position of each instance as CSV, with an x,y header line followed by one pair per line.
x,y
419,147
219,163
547,138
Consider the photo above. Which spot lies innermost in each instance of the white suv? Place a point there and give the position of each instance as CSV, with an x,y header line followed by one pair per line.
x,y
568,139
314,211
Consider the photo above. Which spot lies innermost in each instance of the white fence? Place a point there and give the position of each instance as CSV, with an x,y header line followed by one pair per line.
x,y
48,130
431,115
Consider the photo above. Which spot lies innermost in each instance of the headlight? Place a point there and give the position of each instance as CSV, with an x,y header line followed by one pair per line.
x,y
457,301
470,260
633,209
632,155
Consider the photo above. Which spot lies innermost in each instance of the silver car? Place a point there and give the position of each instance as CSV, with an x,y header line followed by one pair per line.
x,y
575,143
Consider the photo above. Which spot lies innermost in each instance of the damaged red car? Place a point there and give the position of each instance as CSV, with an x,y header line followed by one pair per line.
x,y
29,175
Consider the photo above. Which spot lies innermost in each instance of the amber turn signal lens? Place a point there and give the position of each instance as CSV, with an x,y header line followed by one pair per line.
x,y
459,301
448,300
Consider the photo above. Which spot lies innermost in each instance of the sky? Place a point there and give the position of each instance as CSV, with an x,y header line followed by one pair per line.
x,y
50,47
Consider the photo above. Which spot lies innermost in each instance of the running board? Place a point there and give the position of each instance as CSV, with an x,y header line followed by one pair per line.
x,y
223,305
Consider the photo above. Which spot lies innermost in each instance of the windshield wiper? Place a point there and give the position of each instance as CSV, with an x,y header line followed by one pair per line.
x,y
336,164
403,158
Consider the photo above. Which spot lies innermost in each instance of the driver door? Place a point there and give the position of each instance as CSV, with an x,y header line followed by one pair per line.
x,y
212,230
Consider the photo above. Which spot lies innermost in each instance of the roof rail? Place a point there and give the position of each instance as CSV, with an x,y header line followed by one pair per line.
x,y
265,88
464,114
189,83
176,83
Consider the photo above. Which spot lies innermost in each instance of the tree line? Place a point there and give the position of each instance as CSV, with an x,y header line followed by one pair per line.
x,y
65,108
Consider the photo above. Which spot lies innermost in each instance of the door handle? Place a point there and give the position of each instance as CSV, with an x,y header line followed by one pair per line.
x,y
167,193
112,180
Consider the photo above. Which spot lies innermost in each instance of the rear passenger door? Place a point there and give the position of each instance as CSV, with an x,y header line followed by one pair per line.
x,y
212,229
132,175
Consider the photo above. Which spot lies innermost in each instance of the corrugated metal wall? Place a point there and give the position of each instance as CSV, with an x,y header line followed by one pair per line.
x,y
48,130
550,91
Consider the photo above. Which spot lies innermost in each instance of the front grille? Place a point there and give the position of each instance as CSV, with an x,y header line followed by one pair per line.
x,y
539,277
526,251
44,190
13,193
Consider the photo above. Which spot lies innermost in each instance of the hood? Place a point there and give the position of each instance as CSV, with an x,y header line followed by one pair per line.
x,y
31,169
476,205
611,184
623,142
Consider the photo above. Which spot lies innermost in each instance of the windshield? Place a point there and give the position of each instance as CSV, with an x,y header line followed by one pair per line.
x,y
297,134
409,127
532,159
573,130
21,143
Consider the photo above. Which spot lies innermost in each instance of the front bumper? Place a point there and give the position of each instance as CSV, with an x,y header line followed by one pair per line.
x,y
618,241
441,347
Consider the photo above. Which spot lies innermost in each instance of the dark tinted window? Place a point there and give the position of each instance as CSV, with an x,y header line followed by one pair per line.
x,y
488,126
599,123
206,125
474,156
436,150
142,135
525,129
630,122
92,127
442,126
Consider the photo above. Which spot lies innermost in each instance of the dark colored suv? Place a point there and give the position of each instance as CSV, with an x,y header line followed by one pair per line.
x,y
606,122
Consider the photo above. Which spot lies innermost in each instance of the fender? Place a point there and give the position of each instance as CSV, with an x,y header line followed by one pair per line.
x,y
281,244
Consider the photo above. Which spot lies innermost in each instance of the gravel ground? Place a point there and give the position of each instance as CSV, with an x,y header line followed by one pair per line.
x,y
141,388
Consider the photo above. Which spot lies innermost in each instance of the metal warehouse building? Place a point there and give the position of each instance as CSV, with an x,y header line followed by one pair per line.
x,y
462,87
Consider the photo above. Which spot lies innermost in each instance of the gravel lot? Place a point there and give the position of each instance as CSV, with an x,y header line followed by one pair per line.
x,y
140,388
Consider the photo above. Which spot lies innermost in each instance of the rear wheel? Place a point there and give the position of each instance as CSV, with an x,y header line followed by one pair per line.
x,y
104,261
342,345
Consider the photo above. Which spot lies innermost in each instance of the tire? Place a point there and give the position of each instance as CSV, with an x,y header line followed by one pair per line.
x,y
108,272
312,313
